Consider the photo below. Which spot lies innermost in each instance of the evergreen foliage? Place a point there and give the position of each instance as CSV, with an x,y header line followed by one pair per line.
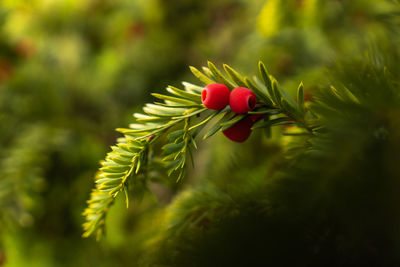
x,y
130,157
334,204
22,174
320,188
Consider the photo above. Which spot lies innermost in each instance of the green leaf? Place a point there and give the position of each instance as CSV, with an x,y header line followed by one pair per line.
x,y
208,73
266,78
191,113
300,98
156,110
345,94
172,147
122,152
193,141
264,111
267,81
114,169
145,129
204,121
146,118
185,94
175,135
285,95
145,126
170,157
206,80
260,92
110,175
276,92
126,196
130,147
174,99
109,181
236,77
290,109
217,126
118,159
191,88
270,123
219,77
170,104
233,121
157,131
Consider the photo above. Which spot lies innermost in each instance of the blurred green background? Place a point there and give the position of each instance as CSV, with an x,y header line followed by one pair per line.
x,y
72,71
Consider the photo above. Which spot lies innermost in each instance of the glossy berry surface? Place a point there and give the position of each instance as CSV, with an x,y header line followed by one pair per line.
x,y
240,131
215,96
242,100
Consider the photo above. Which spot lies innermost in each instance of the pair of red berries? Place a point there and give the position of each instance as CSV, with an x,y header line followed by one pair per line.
x,y
241,100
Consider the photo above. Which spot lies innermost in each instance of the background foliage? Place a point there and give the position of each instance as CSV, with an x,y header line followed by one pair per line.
x,y
73,71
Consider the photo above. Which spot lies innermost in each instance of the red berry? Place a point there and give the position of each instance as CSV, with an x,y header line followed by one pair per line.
x,y
240,131
256,116
242,100
215,96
